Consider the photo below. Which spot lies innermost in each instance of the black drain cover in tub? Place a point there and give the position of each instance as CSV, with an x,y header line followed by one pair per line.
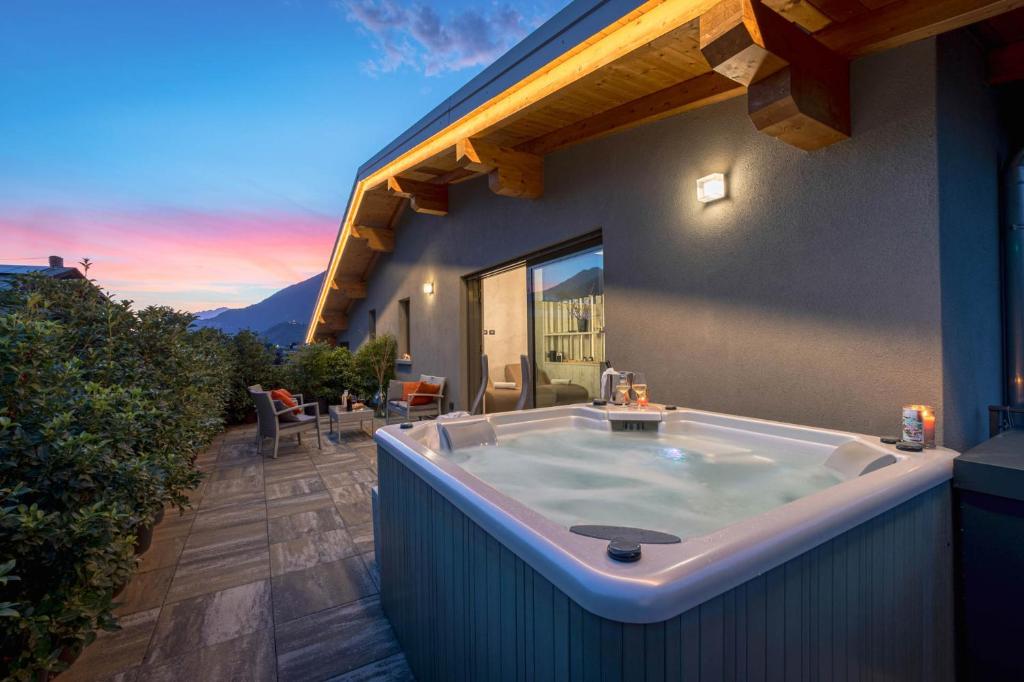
x,y
635,535
624,550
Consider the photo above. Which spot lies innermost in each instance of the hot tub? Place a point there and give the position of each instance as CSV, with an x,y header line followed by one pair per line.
x,y
791,561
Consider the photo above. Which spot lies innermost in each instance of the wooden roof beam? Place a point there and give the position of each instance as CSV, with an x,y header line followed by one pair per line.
x,y
329,322
905,21
424,197
703,90
379,239
1006,64
350,288
801,12
510,173
797,90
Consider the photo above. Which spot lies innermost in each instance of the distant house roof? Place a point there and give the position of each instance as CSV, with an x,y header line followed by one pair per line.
x,y
55,269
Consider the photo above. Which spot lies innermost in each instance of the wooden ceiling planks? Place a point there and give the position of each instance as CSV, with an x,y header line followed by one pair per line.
x,y
907,21
618,88
839,10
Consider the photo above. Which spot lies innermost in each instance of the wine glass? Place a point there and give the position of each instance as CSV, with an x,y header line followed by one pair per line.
x,y
640,389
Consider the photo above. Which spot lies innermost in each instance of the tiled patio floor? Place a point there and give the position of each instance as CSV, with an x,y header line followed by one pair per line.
x,y
271,576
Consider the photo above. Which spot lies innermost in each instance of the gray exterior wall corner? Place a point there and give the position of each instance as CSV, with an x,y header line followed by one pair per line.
x,y
968,140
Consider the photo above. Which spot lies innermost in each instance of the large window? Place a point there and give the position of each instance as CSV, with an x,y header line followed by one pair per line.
x,y
567,306
372,324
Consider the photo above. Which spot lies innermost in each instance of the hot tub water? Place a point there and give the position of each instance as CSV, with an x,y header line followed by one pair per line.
x,y
685,484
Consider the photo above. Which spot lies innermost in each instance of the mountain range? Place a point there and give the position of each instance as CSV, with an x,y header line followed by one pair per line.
x,y
207,314
281,318
582,284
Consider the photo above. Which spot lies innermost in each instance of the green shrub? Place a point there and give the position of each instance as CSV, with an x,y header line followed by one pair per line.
x,y
102,410
319,372
252,362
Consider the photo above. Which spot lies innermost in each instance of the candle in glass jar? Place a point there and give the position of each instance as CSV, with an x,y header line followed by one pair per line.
x,y
919,425
928,417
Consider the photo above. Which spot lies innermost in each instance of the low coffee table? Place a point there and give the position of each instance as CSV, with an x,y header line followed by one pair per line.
x,y
357,417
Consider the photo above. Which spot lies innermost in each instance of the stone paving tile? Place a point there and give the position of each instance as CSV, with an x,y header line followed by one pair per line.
x,y
353,502
335,478
236,471
293,487
362,537
219,501
344,457
367,476
174,525
161,554
288,527
213,618
300,593
236,457
391,669
225,540
284,506
236,485
288,469
249,657
334,641
230,515
218,572
306,551
370,561
144,591
114,652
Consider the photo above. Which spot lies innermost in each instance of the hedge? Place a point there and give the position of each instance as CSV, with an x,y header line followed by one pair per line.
x,y
102,410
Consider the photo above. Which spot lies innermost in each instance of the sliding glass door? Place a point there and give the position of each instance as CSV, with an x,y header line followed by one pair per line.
x,y
566,300
548,306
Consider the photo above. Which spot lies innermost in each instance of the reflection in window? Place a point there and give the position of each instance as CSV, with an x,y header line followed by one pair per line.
x,y
568,321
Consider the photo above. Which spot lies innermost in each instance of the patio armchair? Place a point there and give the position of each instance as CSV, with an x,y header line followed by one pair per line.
x,y
405,410
257,388
275,419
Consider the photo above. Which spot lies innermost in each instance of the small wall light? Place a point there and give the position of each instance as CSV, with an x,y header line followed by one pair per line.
x,y
711,188
428,287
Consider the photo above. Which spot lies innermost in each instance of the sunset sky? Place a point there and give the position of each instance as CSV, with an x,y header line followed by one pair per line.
x,y
201,153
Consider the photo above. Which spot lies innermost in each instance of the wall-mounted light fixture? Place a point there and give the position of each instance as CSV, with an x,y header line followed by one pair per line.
x,y
711,188
428,287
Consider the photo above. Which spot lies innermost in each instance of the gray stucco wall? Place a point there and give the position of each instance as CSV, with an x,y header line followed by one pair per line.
x,y
969,171
813,294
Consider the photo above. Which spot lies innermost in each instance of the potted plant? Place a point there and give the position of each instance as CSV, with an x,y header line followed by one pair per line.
x,y
580,311
375,367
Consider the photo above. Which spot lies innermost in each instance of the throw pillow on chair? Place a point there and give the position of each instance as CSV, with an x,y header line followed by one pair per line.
x,y
424,387
286,399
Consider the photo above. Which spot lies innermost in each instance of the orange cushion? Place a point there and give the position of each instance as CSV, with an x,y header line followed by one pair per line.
x,y
409,387
286,399
424,387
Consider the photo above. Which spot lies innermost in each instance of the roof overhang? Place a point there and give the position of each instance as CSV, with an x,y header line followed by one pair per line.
x,y
600,67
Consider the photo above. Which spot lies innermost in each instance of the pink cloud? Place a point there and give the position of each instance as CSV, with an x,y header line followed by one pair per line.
x,y
187,259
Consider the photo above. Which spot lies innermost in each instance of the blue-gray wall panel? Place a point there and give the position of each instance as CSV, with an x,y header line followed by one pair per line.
x,y
969,173
874,603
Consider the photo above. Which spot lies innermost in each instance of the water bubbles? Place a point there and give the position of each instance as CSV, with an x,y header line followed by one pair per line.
x,y
685,484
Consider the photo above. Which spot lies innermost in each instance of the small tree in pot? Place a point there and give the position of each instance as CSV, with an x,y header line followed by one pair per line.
x,y
375,367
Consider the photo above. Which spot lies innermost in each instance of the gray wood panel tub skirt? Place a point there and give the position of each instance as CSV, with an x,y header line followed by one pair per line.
x,y
874,603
